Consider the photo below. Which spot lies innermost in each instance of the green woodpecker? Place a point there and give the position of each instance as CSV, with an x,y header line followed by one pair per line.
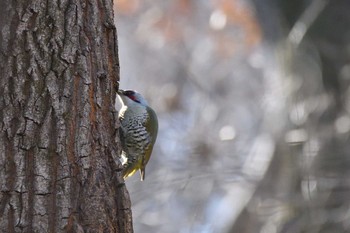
x,y
138,133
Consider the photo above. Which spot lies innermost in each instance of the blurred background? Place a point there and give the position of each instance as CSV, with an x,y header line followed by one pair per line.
x,y
252,98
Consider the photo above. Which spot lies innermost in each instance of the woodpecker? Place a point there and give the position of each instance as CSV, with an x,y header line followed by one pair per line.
x,y
138,133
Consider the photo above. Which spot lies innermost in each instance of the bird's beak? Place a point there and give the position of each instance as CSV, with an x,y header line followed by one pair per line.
x,y
120,92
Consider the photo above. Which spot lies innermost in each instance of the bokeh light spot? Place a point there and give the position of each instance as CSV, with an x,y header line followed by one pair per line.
x,y
227,133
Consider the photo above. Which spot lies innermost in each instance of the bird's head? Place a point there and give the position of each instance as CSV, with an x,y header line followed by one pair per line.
x,y
130,97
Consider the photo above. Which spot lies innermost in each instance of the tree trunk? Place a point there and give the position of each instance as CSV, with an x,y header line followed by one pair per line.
x,y
58,141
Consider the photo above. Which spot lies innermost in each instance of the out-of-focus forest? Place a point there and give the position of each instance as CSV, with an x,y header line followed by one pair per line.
x,y
252,98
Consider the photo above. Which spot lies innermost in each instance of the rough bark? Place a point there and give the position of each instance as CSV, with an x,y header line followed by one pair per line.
x,y
58,142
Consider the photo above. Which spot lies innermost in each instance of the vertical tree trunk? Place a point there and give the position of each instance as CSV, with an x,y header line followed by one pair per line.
x,y
59,66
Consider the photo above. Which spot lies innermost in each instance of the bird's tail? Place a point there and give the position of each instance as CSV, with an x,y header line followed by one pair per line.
x,y
142,174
